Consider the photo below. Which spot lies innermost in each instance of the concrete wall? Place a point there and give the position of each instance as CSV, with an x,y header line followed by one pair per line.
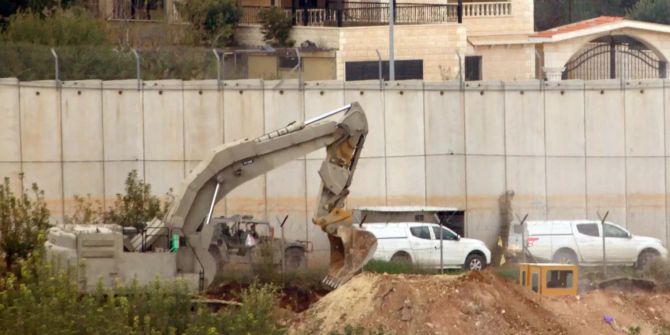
x,y
568,150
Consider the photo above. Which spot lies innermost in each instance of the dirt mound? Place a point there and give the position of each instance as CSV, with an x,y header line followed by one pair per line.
x,y
475,303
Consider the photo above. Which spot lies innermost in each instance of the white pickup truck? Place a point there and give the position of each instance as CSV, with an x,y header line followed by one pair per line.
x,y
419,243
581,242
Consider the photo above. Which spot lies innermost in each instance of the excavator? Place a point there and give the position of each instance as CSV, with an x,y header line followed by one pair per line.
x,y
192,251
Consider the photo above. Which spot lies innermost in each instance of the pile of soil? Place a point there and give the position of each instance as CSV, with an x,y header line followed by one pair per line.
x,y
477,303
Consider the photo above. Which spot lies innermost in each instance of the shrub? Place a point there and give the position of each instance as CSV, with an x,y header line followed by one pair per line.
x,y
73,26
137,206
276,27
215,20
657,11
22,219
43,301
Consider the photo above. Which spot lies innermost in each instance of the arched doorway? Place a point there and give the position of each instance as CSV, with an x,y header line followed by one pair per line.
x,y
612,57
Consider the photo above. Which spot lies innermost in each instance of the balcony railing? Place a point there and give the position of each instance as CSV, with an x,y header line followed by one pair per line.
x,y
355,13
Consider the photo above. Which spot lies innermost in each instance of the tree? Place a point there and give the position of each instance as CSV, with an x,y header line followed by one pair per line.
x,y
276,27
137,206
215,20
23,219
552,13
657,11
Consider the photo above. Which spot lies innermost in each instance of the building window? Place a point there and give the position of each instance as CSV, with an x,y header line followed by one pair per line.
x,y
369,70
473,68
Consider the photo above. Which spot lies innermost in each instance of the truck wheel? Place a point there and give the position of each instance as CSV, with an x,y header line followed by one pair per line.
x,y
474,262
645,258
401,258
565,256
294,259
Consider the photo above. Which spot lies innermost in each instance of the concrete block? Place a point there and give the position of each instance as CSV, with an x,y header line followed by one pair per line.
x,y
606,188
203,118
566,188
483,224
406,181
524,121
445,181
123,120
81,105
164,177
10,136
48,178
368,95
644,119
40,123
163,120
564,113
604,122
84,179
444,121
286,196
646,197
404,120
243,110
484,122
526,177
322,97
116,174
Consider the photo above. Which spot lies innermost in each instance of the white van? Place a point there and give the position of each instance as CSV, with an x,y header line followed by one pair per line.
x,y
419,243
581,242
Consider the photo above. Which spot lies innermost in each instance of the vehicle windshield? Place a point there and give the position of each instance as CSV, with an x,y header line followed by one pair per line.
x,y
446,234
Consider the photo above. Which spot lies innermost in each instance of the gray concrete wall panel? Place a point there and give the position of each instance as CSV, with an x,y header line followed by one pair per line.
x,y
485,119
322,97
40,122
84,179
203,118
566,188
564,117
526,176
645,200
47,175
606,188
404,119
163,120
10,131
524,118
81,105
123,121
286,195
445,181
644,121
444,119
604,109
406,180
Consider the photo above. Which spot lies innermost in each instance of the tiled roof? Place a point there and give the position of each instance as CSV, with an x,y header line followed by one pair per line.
x,y
590,23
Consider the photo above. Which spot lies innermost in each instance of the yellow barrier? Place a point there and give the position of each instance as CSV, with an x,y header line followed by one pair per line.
x,y
549,279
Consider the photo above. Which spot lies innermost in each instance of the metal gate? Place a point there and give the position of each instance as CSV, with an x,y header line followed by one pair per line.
x,y
615,57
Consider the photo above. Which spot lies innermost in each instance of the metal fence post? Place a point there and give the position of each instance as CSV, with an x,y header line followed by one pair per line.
x,y
381,75
56,67
602,223
137,69
218,68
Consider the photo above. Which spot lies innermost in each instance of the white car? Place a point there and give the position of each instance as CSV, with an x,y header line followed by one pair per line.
x,y
419,243
581,242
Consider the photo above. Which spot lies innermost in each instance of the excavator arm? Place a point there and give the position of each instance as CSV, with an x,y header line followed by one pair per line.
x,y
233,164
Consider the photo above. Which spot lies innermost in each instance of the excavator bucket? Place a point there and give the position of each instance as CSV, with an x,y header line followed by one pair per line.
x,y
350,250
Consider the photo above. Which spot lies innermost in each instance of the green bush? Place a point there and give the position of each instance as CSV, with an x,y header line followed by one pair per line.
x,y
214,19
74,26
276,27
394,268
137,206
22,219
42,301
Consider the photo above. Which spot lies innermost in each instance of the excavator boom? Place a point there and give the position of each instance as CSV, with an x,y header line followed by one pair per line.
x,y
236,163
